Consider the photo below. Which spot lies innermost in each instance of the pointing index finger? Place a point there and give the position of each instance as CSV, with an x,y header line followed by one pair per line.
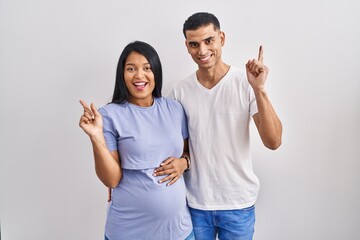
x,y
83,103
260,57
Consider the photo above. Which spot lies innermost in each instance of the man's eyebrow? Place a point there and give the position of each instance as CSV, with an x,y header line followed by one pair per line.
x,y
193,42
209,38
204,40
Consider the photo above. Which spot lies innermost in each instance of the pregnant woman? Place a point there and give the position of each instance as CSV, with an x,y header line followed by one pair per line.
x,y
133,135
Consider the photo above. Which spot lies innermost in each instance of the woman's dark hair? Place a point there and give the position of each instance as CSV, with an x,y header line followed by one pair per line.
x,y
121,94
200,19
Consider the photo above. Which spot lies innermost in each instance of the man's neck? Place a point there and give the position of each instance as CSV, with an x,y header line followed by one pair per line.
x,y
209,77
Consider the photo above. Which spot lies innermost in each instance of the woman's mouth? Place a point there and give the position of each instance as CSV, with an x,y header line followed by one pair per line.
x,y
139,86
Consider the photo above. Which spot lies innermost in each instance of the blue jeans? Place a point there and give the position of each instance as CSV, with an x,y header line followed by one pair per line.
x,y
225,224
191,236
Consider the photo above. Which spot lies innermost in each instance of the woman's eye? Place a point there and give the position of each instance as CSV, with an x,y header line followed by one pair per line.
x,y
147,69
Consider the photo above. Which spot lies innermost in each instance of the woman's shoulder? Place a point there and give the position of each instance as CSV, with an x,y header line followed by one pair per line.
x,y
111,108
169,102
171,105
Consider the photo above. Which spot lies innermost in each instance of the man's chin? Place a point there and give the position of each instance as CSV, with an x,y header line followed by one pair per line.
x,y
205,65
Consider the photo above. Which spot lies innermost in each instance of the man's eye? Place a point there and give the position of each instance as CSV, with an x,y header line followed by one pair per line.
x,y
209,40
193,45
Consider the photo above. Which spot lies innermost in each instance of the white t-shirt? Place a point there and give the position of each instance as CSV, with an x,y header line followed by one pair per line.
x,y
221,176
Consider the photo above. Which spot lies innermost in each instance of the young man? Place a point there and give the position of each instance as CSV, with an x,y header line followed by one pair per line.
x,y
219,100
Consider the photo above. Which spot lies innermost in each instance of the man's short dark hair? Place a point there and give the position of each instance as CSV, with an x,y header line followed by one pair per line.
x,y
200,19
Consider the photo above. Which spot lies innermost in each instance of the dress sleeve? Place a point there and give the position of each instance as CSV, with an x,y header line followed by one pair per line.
x,y
109,130
184,125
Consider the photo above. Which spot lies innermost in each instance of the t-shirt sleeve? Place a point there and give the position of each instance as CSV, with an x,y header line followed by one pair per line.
x,y
184,125
253,104
110,133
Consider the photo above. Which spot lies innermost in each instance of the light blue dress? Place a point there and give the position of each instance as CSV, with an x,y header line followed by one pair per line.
x,y
142,208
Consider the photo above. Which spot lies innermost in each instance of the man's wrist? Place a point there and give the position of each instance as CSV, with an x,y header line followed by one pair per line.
x,y
260,91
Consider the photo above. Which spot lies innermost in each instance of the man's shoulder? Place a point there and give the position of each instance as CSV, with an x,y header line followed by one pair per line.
x,y
188,79
182,85
236,71
237,76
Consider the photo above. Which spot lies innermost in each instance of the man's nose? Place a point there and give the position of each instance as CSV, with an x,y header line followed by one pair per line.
x,y
203,49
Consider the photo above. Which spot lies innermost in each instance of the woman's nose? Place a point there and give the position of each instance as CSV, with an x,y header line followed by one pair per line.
x,y
140,74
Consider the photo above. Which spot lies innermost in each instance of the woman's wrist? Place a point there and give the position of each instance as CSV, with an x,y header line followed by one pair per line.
x,y
97,137
188,162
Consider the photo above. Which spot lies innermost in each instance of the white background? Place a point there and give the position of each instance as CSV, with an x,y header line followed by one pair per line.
x,y
53,53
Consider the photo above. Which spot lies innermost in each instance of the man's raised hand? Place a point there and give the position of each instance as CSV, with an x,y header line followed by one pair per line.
x,y
256,71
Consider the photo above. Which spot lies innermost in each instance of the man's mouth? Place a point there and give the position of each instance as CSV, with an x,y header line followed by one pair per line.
x,y
205,58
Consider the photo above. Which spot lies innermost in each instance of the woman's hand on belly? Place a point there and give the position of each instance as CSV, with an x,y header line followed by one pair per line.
x,y
173,168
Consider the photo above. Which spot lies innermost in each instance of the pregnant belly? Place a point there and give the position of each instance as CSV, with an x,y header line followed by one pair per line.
x,y
140,195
